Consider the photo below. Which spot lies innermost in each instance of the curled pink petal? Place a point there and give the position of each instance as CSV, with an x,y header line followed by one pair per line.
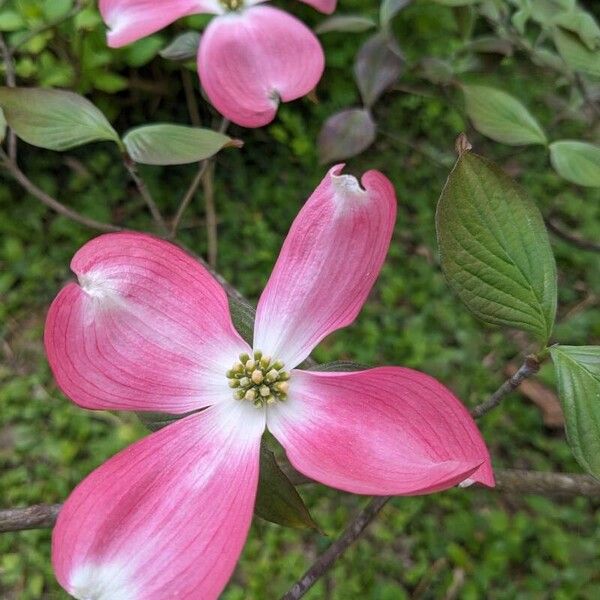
x,y
166,517
327,266
385,431
250,60
131,20
147,329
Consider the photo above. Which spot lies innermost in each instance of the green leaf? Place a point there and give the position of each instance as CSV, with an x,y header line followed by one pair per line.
x,y
183,47
501,117
578,372
277,499
166,144
243,315
54,119
339,366
494,248
582,24
157,420
11,20
143,51
390,8
576,54
578,162
345,23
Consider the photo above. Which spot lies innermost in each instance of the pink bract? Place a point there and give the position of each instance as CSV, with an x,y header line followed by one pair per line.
x,y
250,58
149,329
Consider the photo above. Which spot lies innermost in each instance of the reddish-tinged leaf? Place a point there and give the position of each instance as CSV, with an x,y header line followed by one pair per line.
x,y
378,65
346,134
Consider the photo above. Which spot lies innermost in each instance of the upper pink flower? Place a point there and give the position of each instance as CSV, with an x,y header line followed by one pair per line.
x,y
149,329
250,57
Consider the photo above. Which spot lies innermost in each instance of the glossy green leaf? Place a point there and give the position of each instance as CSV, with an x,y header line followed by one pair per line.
x,y
54,119
167,144
578,162
578,372
277,499
501,117
576,54
494,248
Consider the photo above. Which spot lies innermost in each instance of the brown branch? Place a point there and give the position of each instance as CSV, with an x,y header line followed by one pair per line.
x,y
324,562
554,485
11,81
508,481
33,517
570,238
48,200
530,367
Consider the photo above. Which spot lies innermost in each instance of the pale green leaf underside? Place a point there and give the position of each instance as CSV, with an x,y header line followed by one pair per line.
x,y
167,144
578,162
495,250
501,117
578,372
54,119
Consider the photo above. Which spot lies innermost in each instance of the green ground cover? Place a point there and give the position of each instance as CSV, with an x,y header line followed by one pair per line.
x,y
467,544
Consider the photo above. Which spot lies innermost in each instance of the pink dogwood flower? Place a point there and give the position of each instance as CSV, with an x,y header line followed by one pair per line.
x,y
250,57
148,329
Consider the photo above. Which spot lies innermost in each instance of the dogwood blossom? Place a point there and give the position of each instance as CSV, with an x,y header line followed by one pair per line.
x,y
147,328
250,57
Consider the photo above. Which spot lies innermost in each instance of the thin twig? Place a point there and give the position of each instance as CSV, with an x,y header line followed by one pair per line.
x,y
208,187
190,97
530,367
572,239
188,197
145,193
48,200
191,191
324,562
11,81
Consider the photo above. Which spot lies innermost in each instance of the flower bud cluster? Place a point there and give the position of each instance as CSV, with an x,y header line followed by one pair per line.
x,y
259,379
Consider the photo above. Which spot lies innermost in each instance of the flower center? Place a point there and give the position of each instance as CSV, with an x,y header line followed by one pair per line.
x,y
232,4
259,379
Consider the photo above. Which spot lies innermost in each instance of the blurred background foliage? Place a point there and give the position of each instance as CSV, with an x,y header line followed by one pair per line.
x,y
457,544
